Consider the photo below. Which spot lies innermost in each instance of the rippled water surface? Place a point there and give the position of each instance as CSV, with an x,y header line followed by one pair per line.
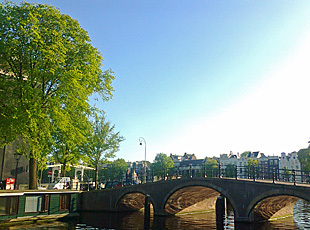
x,y
300,220
207,220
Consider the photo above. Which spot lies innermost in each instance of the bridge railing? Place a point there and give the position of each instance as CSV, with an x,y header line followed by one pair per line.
x,y
254,172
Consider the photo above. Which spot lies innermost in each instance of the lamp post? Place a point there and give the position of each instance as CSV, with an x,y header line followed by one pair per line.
x,y
17,157
142,140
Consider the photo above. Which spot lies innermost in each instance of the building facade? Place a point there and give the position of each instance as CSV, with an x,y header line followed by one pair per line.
x,y
13,165
266,167
290,161
187,165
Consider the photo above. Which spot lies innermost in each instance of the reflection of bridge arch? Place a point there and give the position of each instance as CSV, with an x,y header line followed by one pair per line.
x,y
274,203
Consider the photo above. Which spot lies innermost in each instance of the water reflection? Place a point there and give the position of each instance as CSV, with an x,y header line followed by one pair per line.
x,y
195,221
207,220
302,214
191,221
113,220
52,225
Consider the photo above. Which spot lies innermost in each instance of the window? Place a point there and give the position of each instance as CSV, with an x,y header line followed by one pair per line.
x,y
8,205
64,201
34,204
37,203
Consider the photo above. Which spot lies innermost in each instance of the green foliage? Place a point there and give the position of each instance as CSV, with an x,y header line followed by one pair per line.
x,y
211,166
68,139
101,142
304,158
114,171
212,162
162,162
287,174
252,166
230,170
48,69
118,169
252,162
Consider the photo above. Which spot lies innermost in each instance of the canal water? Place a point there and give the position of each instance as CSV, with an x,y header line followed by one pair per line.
x,y
206,220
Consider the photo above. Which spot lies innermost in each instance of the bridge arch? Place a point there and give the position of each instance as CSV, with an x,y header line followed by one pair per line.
x,y
133,200
199,184
267,204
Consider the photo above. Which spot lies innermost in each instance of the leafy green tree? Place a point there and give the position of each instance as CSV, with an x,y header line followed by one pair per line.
x,y
251,166
114,171
304,158
252,162
48,70
287,174
102,143
230,170
68,139
118,169
211,166
162,162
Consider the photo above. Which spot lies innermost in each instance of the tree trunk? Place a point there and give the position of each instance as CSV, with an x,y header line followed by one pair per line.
x,y
33,173
96,177
63,171
2,165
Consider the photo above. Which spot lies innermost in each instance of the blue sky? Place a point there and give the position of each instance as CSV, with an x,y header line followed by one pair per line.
x,y
203,77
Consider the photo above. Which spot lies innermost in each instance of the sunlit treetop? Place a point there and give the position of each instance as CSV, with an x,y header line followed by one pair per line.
x,y
49,69
51,49
47,61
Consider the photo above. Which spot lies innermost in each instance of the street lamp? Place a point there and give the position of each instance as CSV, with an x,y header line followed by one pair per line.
x,y
141,139
17,157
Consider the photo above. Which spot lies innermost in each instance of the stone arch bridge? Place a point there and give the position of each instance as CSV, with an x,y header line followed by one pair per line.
x,y
251,200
